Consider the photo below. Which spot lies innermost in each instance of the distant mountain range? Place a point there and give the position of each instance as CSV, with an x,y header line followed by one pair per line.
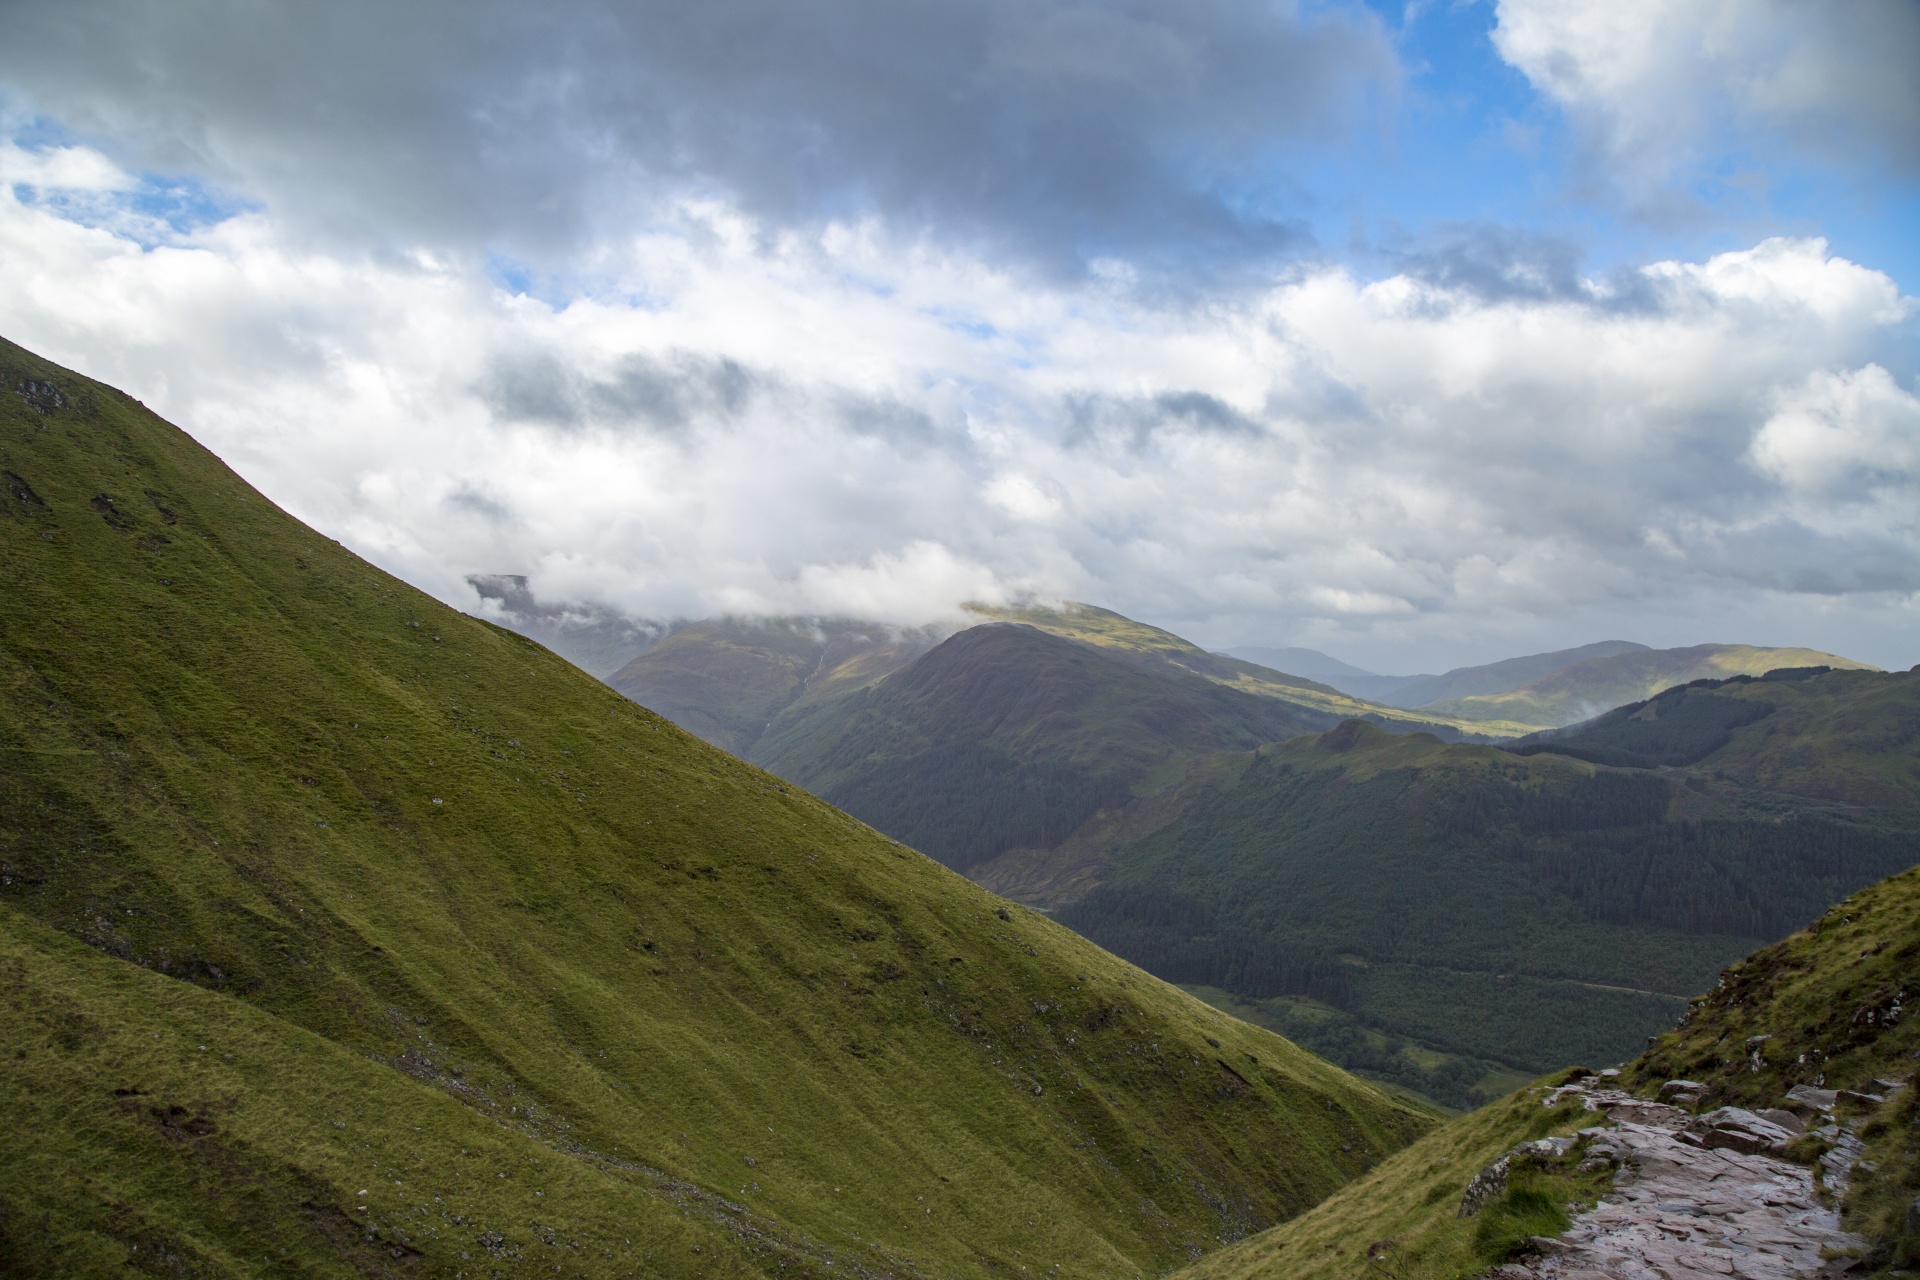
x,y
1303,856
1547,690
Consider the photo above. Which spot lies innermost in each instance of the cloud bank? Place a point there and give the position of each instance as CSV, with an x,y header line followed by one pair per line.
x,y
867,308
763,421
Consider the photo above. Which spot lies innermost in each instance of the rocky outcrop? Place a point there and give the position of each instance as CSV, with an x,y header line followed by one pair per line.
x,y
1695,1197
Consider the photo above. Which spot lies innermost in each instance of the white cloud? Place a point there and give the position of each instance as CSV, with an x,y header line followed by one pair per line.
x,y
1650,80
61,169
1851,434
843,423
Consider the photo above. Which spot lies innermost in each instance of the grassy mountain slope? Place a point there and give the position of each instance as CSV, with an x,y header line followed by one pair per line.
x,y
1005,736
1827,998
1529,909
1584,689
311,886
728,679
1105,629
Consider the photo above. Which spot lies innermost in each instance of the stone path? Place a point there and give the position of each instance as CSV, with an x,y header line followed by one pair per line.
x,y
1695,1197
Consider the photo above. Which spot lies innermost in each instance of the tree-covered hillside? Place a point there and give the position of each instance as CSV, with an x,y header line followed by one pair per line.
x,y
342,934
1531,909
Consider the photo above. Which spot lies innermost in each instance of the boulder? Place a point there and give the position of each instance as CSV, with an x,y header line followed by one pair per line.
x,y
1737,1129
1785,1119
1805,1100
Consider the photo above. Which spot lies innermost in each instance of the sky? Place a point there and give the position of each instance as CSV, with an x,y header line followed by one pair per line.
x,y
1423,334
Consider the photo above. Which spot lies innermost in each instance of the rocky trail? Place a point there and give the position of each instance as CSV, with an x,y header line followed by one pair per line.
x,y
1695,1196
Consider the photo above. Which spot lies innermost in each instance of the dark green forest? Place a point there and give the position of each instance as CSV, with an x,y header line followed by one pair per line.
x,y
1532,911
963,802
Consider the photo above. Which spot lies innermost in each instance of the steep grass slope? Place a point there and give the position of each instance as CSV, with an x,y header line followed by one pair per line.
x,y
341,934
1829,1001
1532,909
1583,689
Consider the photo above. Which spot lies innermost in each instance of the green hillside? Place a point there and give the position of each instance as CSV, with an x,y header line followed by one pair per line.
x,y
728,679
1584,689
343,934
1520,909
1827,1001
1005,736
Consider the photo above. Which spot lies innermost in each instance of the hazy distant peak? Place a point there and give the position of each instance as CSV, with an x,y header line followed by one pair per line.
x,y
1311,663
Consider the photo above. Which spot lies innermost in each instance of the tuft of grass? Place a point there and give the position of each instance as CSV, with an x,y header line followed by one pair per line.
x,y
1529,1208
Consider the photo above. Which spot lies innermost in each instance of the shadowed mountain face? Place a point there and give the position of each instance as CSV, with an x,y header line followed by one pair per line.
x,y
344,934
1005,736
729,679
